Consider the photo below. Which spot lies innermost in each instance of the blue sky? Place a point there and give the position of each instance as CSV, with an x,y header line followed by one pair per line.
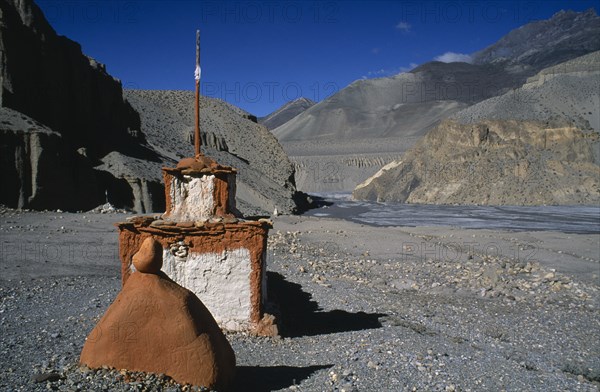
x,y
260,54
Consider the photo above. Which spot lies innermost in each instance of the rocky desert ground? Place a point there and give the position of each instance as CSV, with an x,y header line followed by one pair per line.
x,y
361,308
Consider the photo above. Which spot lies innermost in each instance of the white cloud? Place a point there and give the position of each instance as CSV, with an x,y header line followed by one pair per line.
x,y
404,26
451,57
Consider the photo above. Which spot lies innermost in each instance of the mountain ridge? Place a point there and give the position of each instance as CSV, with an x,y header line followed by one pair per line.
x,y
566,29
286,112
539,144
408,105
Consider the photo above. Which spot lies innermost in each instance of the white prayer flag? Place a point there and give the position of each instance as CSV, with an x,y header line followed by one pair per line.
x,y
197,72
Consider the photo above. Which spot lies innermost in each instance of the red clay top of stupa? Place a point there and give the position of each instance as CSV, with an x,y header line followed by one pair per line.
x,y
200,164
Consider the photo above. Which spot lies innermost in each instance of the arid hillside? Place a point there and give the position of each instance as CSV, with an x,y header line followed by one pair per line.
x,y
538,144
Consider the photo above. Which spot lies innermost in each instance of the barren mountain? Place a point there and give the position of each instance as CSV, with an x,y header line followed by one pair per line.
x,y
76,142
538,144
543,43
286,112
407,104
568,90
265,174
401,109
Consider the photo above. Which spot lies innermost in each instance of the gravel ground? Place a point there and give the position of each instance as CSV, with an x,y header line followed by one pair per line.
x,y
360,309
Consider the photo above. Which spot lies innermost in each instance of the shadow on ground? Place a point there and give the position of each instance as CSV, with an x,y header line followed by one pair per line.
x,y
299,315
269,378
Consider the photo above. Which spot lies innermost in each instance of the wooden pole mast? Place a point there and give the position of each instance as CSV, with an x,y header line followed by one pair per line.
x,y
197,140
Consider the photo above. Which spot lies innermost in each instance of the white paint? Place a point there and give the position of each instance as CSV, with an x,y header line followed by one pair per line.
x,y
193,198
220,280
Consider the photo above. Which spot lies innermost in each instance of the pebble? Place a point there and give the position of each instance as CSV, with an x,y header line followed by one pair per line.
x,y
158,223
43,377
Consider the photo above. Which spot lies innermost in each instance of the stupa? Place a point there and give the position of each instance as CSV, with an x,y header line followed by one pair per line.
x,y
208,247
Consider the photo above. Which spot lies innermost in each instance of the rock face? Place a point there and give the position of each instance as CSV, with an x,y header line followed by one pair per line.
x,y
538,144
36,169
155,325
493,162
371,122
395,112
47,78
286,112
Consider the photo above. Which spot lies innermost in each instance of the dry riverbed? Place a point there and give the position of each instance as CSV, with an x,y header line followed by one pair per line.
x,y
361,308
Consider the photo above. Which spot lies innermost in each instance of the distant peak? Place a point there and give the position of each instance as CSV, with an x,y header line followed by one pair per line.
x,y
569,13
561,13
542,43
303,100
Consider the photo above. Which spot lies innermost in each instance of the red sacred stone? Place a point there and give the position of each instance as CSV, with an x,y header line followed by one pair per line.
x,y
149,258
154,325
